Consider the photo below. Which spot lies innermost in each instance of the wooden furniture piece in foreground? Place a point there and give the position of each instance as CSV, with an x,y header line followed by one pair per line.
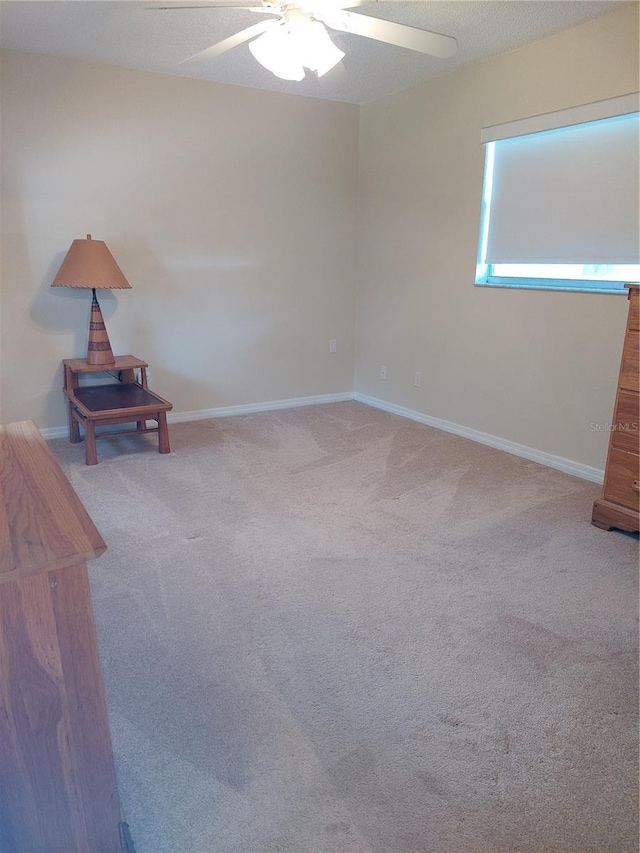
x,y
619,505
123,402
58,789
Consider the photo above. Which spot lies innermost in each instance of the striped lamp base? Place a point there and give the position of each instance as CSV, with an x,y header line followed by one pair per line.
x,y
99,348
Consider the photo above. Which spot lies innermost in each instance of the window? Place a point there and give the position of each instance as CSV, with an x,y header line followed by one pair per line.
x,y
561,200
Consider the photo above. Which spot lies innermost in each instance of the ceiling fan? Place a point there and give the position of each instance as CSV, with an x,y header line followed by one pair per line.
x,y
295,37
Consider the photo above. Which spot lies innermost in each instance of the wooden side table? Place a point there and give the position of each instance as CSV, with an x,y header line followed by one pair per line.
x,y
122,402
58,788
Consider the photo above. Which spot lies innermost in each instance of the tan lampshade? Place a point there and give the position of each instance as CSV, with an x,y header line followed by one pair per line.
x,y
89,263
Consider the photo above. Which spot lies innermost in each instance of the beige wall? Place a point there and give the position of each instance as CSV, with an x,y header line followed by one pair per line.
x,y
534,367
231,211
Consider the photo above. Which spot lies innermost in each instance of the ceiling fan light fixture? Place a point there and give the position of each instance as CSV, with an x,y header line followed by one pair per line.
x,y
314,46
274,53
295,44
298,39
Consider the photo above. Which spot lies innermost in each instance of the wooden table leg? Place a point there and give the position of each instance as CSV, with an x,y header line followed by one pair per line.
x,y
74,428
163,433
71,382
57,782
90,452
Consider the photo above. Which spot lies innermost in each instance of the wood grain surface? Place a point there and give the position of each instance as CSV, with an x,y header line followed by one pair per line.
x,y
43,524
619,506
58,790
122,362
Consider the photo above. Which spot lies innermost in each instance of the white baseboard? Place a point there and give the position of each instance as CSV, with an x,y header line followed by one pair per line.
x,y
251,408
568,466
230,411
54,432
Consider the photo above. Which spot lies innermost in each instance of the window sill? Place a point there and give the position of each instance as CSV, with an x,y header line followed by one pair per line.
x,y
564,285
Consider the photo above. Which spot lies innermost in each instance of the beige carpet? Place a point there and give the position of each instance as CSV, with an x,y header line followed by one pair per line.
x,y
331,630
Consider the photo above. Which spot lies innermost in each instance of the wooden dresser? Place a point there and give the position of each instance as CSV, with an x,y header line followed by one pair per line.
x,y
620,502
58,791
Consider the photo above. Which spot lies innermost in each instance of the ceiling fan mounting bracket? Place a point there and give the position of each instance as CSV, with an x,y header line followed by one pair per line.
x,y
293,14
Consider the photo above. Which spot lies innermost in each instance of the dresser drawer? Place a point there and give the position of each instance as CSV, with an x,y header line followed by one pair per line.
x,y
626,422
629,366
633,321
622,484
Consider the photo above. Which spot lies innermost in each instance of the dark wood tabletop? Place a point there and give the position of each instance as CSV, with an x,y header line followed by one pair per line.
x,y
98,398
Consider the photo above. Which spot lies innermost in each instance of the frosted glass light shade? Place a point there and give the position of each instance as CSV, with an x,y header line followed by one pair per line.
x,y
273,52
314,46
288,49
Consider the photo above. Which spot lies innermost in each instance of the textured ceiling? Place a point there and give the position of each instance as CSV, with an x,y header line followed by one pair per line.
x,y
132,34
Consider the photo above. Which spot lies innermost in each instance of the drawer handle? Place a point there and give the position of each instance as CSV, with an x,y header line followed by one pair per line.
x,y
636,485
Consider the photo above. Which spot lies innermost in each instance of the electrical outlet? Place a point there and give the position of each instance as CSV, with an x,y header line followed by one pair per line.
x,y
383,371
417,379
333,345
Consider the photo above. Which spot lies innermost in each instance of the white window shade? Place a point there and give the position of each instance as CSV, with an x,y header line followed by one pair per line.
x,y
568,194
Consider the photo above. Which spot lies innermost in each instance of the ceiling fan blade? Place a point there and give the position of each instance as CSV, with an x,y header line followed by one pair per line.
x,y
231,42
211,6
269,8
401,35
349,4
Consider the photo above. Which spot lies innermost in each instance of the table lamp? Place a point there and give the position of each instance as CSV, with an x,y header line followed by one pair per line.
x,y
89,263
